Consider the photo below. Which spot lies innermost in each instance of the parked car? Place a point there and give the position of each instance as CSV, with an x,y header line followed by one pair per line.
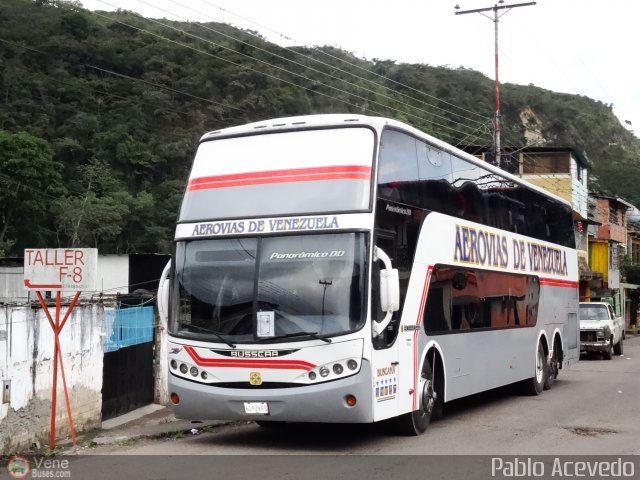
x,y
601,330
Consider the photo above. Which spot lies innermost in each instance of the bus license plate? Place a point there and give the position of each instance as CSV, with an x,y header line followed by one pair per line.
x,y
256,407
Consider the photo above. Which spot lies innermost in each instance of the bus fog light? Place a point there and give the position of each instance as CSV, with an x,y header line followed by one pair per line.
x,y
312,375
174,364
352,364
184,368
351,400
324,371
194,371
175,399
338,369
204,375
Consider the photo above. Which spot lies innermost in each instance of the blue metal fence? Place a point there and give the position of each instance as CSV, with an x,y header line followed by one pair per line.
x,y
127,326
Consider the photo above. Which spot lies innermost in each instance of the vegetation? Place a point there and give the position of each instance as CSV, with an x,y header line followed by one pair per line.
x,y
100,114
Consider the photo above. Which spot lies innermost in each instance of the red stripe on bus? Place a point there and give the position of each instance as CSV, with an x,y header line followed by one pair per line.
x,y
552,282
249,363
348,172
423,301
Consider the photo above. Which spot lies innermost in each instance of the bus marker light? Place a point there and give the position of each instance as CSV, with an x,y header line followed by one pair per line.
x,y
351,400
175,399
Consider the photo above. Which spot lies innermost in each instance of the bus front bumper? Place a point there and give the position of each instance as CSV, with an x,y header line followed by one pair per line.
x,y
322,403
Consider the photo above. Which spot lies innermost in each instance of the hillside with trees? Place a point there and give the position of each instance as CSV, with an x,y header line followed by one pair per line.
x,y
100,113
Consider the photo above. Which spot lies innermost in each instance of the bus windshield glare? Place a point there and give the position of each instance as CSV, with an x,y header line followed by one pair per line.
x,y
278,289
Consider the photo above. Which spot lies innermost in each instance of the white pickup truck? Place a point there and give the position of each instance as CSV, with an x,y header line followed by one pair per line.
x,y
601,330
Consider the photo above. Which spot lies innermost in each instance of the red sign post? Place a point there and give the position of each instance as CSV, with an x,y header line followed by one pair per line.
x,y
58,269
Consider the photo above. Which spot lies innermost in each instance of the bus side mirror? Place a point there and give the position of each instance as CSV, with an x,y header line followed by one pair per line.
x,y
389,290
163,295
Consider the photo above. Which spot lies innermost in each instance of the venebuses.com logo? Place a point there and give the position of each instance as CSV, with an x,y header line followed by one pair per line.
x,y
18,467
38,467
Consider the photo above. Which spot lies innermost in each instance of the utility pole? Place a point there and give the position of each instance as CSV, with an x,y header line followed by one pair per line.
x,y
496,18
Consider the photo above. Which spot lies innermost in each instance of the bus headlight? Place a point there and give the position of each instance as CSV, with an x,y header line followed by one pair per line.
x,y
194,371
184,368
332,370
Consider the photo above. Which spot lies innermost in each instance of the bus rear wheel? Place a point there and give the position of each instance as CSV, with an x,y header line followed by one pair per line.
x,y
415,423
552,368
535,384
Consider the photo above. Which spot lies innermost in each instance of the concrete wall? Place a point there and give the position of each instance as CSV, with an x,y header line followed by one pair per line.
x,y
12,285
26,351
556,183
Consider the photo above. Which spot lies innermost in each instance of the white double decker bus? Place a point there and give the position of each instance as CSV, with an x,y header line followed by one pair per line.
x,y
352,269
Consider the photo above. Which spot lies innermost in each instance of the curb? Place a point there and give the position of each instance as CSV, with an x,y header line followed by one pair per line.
x,y
185,429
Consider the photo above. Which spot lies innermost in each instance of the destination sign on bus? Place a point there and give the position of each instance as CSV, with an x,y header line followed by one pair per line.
x,y
293,224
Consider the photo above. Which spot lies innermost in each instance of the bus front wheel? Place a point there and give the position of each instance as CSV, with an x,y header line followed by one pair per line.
x,y
415,423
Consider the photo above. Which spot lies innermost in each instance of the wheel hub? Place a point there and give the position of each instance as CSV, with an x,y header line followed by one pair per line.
x,y
428,397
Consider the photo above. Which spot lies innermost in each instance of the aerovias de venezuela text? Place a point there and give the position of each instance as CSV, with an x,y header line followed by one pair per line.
x,y
479,247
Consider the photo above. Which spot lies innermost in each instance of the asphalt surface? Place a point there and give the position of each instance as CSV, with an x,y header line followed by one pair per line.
x,y
593,409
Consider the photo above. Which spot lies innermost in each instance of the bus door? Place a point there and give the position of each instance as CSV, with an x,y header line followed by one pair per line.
x,y
385,362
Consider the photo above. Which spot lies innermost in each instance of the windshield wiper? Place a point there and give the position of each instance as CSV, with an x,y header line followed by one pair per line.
x,y
298,334
206,330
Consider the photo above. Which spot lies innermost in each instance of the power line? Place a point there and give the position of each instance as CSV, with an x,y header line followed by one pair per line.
x,y
122,75
311,58
352,65
269,52
270,65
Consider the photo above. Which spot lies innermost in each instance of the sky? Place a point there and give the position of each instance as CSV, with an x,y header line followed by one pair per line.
x,y
583,47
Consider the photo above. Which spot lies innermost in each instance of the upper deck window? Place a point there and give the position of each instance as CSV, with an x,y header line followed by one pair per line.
x,y
283,173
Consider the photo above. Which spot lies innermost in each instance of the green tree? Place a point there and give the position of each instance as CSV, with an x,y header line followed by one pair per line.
x,y
29,179
96,215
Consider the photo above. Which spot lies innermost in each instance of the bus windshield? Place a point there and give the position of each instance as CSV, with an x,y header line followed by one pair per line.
x,y
278,289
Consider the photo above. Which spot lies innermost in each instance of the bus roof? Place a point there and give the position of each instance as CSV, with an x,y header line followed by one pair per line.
x,y
305,122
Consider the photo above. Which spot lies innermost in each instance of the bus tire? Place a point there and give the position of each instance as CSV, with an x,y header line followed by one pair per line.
x,y
415,423
552,368
535,384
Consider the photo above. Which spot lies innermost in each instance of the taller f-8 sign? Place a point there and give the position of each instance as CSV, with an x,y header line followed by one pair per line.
x,y
60,268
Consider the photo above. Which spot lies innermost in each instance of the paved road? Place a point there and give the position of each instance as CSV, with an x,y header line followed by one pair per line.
x,y
593,409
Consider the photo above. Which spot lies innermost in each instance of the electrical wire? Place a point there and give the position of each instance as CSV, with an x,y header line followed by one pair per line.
x,y
351,64
331,87
309,57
